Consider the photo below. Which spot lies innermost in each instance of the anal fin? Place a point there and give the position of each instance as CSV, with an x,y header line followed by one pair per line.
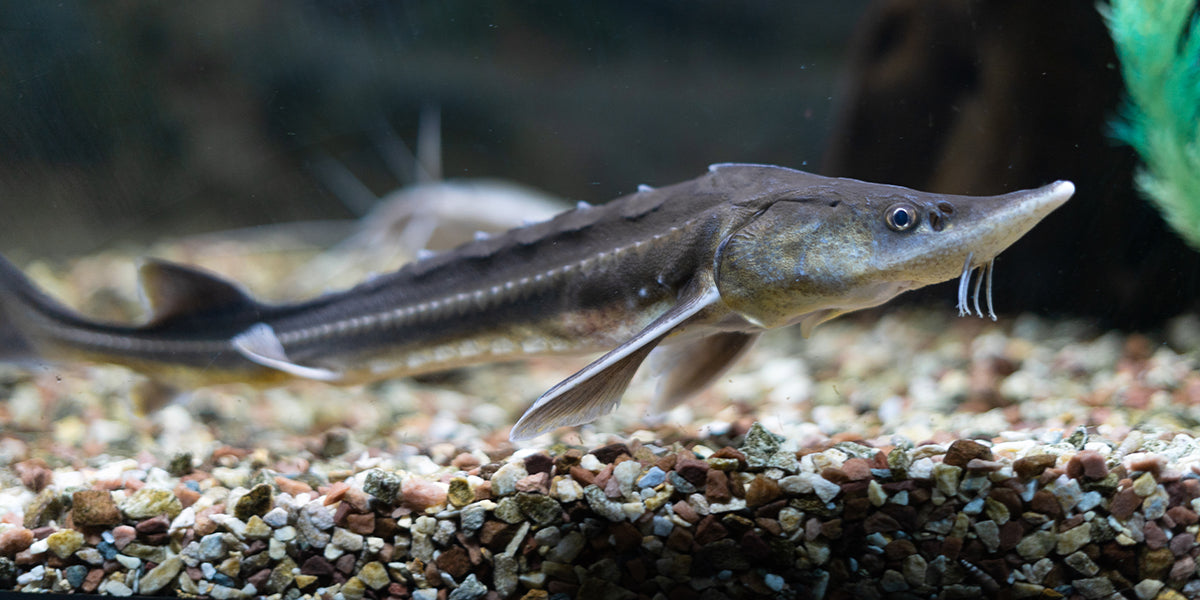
x,y
691,367
596,389
260,345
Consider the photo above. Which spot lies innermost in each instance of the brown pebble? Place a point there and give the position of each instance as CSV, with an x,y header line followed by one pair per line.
x,y
770,526
1149,463
857,469
292,486
495,534
536,483
832,529
345,563
92,580
420,493
695,471
1182,543
94,508
680,540
1154,536
731,452
1183,515
667,463
1033,466
951,546
362,524
880,523
122,535
603,475
608,454
899,549
834,475
355,497
685,511
710,530
1045,503
582,476
612,487
15,540
716,488
539,463
1154,564
259,578
34,473
464,461
563,462
204,523
335,492
455,562
762,490
1183,570
187,496
1124,503
625,536
962,451
1087,464
317,565
153,525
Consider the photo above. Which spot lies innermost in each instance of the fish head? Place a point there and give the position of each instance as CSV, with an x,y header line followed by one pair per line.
x,y
838,245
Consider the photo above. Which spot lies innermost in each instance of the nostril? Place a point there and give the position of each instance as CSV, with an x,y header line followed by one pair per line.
x,y
936,222
945,208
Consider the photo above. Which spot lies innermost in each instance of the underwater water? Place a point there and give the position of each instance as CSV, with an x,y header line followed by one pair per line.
x,y
301,148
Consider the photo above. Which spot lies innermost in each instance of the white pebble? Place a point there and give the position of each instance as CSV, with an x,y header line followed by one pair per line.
x,y
276,517
590,462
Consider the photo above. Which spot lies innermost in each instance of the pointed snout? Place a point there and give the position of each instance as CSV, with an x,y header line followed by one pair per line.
x,y
999,221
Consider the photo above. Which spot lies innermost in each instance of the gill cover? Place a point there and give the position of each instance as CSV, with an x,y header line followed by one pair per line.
x,y
792,262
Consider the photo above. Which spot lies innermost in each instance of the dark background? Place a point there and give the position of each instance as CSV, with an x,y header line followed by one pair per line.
x,y
137,121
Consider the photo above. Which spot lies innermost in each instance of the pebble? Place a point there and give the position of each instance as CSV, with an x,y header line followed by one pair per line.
x,y
599,502
15,540
824,489
256,502
276,517
653,478
75,574
94,508
157,578
384,485
151,502
504,480
422,494
65,542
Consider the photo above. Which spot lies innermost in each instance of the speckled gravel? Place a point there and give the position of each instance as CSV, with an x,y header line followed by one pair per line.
x,y
905,454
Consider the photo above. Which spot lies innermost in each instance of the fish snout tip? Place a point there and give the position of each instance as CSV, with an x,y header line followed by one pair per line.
x,y
1060,191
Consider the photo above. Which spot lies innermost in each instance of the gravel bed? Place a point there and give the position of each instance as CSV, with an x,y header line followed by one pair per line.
x,y
900,454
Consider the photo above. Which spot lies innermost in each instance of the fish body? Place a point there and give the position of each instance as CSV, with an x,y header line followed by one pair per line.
x,y
704,266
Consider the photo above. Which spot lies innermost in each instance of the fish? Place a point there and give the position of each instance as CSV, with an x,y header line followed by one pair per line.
x,y
701,268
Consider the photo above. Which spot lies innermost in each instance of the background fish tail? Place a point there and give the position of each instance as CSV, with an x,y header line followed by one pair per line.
x,y
20,300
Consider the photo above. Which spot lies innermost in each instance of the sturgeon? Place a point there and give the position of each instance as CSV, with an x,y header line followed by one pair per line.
x,y
702,267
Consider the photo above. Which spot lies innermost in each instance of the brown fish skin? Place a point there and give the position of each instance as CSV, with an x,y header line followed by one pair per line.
x,y
705,265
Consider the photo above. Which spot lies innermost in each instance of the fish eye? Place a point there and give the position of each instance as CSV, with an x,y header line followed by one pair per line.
x,y
901,217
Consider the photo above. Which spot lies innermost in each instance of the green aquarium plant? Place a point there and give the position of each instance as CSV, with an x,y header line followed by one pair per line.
x,y
1158,44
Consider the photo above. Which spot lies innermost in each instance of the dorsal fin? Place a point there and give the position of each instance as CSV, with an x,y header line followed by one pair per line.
x,y
172,291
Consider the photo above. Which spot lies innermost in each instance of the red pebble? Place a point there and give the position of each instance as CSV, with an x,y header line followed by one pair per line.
x,y
14,541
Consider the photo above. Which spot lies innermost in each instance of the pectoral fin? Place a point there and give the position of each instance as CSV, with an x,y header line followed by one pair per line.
x,y
260,344
692,366
597,388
